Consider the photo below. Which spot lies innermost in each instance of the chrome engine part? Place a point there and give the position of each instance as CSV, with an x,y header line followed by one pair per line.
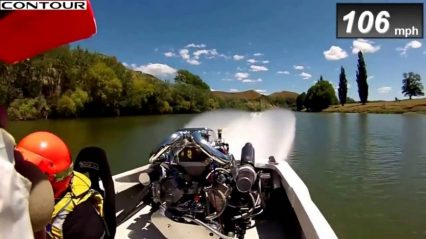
x,y
246,177
194,178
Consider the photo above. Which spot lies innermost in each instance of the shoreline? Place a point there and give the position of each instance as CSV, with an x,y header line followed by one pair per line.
x,y
382,107
415,106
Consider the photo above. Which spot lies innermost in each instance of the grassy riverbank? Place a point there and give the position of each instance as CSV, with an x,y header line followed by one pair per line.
x,y
384,107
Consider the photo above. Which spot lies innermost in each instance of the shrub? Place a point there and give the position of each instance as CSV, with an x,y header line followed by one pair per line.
x,y
320,96
28,109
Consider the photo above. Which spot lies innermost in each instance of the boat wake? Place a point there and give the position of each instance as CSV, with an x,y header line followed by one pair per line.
x,y
271,132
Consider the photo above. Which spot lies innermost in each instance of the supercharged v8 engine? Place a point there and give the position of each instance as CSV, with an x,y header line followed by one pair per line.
x,y
195,180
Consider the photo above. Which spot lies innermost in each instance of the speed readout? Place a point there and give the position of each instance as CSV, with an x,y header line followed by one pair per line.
x,y
379,20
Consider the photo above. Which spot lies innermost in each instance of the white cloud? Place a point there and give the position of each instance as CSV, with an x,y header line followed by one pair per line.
x,y
265,62
211,89
349,85
283,72
238,57
251,61
256,68
258,54
252,80
261,91
233,90
125,64
157,69
384,90
296,67
198,53
193,62
241,75
335,53
370,78
169,54
244,77
226,79
305,75
184,53
195,45
212,53
414,44
365,46
410,45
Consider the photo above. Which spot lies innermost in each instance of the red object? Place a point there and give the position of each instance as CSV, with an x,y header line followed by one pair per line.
x,y
52,157
197,198
26,33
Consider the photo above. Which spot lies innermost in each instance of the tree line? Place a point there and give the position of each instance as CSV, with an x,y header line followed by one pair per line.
x,y
73,82
321,95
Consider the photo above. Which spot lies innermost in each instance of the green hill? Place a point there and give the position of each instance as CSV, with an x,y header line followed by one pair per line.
x,y
284,95
284,99
73,82
245,95
252,95
252,100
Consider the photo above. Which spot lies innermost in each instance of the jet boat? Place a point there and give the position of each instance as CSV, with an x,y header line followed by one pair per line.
x,y
193,187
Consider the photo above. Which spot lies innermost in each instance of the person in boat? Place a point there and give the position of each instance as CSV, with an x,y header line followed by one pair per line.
x,y
77,205
26,196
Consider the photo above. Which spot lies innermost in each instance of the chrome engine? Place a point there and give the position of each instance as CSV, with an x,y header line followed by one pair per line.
x,y
195,180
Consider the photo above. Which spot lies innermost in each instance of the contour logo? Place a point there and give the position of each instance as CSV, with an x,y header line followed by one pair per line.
x,y
43,5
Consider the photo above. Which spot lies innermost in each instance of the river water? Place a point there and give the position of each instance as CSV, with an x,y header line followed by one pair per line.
x,y
366,172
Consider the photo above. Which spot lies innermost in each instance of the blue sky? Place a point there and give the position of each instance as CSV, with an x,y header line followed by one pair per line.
x,y
269,46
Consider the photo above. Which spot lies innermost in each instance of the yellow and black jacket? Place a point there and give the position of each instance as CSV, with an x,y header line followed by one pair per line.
x,y
78,213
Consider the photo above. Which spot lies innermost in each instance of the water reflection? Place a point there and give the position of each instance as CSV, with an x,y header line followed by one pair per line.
x,y
370,181
366,172
127,140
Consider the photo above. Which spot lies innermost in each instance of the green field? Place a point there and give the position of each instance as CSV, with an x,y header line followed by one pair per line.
x,y
403,106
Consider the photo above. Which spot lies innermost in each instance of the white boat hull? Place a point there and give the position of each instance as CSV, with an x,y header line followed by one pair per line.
x,y
308,221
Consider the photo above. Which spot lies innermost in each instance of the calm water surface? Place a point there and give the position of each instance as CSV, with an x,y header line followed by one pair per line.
x,y
366,173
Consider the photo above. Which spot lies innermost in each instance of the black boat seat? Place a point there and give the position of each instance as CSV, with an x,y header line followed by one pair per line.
x,y
93,161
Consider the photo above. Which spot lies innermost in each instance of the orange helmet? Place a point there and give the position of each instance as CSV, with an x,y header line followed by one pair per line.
x,y
52,157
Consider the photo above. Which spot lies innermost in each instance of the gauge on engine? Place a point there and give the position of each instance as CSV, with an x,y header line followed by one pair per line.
x,y
193,160
191,154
